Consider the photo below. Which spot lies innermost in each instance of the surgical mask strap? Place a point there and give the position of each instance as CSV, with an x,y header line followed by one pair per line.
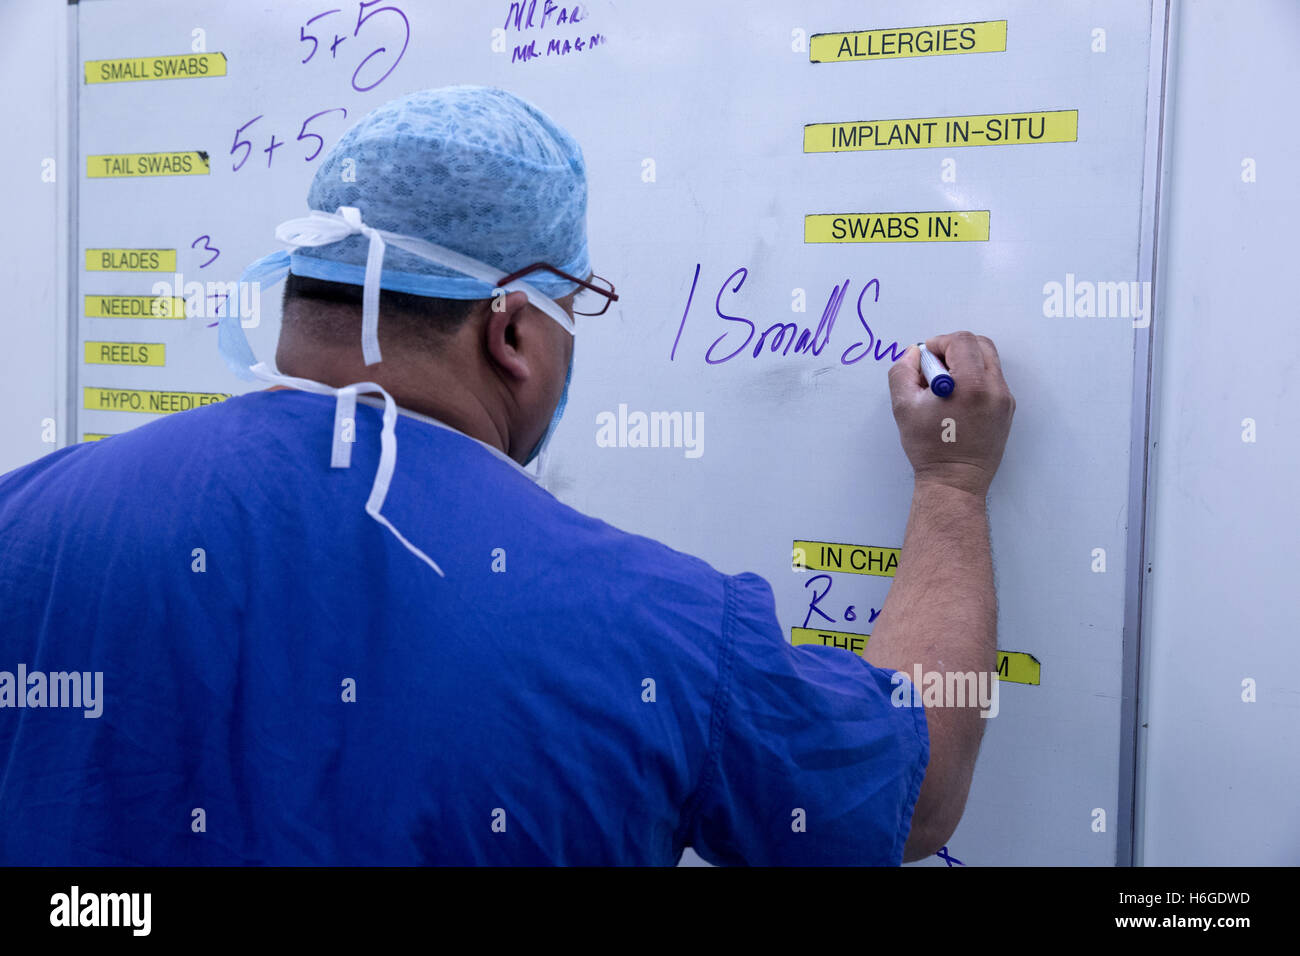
x,y
232,342
543,444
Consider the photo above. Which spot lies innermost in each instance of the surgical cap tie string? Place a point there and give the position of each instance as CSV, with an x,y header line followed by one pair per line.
x,y
321,229
387,443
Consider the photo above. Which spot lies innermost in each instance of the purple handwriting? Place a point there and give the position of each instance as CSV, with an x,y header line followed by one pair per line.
x,y
207,247
306,37
223,296
785,337
275,144
556,47
850,612
367,11
522,16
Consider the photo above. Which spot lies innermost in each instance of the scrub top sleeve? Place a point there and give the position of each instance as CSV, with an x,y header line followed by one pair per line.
x,y
811,761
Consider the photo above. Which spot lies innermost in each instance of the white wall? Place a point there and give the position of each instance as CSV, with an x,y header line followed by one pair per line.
x,y
1222,775
33,38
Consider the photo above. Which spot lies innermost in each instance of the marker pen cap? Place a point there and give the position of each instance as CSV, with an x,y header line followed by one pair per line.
x,y
941,382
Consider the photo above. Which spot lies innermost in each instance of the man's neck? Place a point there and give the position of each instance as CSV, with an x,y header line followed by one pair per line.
x,y
420,384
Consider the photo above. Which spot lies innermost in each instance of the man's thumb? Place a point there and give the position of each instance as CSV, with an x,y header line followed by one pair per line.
x,y
905,374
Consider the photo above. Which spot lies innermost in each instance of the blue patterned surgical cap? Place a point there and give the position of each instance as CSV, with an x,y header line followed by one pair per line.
x,y
472,168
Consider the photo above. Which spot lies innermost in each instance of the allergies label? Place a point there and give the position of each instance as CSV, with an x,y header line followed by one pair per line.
x,y
141,400
132,165
971,226
182,66
854,558
985,36
130,260
983,129
125,353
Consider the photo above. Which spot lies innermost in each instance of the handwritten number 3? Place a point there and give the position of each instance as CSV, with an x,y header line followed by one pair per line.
x,y
206,248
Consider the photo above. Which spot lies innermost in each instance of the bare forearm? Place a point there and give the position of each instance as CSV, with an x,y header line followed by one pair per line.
x,y
941,614
941,611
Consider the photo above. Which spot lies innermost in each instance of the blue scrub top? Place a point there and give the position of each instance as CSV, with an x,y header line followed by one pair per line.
x,y
304,690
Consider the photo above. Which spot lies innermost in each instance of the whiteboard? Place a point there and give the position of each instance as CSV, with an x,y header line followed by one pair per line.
x,y
695,122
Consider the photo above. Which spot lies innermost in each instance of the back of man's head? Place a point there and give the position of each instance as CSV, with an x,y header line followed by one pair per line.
x,y
327,315
473,169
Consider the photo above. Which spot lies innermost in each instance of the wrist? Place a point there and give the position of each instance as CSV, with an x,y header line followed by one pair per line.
x,y
949,488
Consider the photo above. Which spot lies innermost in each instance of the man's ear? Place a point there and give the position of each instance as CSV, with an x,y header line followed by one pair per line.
x,y
510,335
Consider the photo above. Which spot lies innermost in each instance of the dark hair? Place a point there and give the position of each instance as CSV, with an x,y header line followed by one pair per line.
x,y
413,317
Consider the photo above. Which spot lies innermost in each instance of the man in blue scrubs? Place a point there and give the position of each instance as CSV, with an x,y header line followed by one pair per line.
x,y
336,621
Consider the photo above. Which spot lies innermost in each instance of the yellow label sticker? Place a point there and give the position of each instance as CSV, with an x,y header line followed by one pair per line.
x,y
856,643
131,165
125,353
985,36
1018,667
94,436
130,260
983,129
141,400
854,558
971,226
182,66
135,306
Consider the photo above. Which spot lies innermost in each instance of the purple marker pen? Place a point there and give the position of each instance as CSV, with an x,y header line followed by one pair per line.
x,y
936,375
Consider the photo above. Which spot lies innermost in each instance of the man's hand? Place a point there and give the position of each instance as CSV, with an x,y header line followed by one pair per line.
x,y
981,408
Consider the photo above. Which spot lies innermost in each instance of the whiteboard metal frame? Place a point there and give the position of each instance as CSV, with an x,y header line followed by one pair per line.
x,y
67,237
1142,456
